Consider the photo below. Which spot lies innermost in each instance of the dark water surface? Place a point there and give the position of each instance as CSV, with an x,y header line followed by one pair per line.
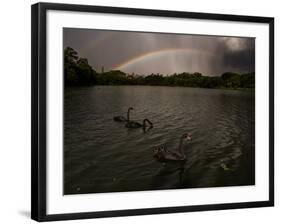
x,y
101,155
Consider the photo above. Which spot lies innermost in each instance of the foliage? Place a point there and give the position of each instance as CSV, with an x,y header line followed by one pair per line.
x,y
78,72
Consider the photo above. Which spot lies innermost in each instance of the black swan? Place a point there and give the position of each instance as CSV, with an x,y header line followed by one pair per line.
x,y
134,124
161,154
122,118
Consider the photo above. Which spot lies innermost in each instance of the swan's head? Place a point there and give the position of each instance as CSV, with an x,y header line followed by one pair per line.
x,y
187,136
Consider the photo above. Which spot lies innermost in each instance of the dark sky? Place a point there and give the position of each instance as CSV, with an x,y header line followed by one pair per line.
x,y
145,53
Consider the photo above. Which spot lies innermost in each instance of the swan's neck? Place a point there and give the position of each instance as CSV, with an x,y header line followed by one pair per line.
x,y
144,123
180,148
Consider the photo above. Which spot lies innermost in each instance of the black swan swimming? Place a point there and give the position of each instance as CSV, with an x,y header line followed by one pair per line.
x,y
134,124
122,118
161,154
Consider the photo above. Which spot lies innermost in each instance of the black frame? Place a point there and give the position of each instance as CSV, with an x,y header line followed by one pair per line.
x,y
38,110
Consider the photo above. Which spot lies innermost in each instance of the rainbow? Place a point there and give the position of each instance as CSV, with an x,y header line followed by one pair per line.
x,y
156,54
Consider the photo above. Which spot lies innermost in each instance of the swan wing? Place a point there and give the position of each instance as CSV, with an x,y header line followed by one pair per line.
x,y
133,124
173,155
119,118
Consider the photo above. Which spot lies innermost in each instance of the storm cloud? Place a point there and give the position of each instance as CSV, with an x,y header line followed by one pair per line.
x,y
145,53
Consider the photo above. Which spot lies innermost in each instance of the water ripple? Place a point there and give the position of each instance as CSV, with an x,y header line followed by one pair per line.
x,y
101,155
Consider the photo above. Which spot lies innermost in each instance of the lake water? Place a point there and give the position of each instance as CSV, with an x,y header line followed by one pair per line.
x,y
101,155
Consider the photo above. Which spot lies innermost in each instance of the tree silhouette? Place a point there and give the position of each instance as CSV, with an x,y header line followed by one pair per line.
x,y
77,71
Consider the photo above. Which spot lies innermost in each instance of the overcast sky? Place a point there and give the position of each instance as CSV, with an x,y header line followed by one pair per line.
x,y
146,53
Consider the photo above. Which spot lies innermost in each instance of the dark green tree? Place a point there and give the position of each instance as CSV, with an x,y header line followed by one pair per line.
x,y
70,59
77,71
85,72
231,80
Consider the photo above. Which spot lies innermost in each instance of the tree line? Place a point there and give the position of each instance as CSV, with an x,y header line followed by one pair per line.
x,y
77,72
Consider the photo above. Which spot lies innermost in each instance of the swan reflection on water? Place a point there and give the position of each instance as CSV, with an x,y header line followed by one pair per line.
x,y
102,155
173,172
171,175
173,162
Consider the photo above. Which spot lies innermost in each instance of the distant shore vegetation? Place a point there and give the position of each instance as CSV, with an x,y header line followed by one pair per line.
x,y
78,72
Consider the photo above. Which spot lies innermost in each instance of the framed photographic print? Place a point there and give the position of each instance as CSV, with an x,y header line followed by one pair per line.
x,y
138,111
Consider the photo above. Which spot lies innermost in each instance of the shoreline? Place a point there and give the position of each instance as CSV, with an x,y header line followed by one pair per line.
x,y
194,87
